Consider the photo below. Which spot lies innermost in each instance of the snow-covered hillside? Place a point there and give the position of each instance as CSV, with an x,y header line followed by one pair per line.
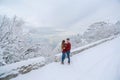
x,y
99,63
16,46
95,32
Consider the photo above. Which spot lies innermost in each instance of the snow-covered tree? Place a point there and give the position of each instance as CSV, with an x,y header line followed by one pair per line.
x,y
15,45
37,50
10,38
99,31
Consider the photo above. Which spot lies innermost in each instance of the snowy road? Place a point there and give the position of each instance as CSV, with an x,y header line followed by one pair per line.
x,y
99,63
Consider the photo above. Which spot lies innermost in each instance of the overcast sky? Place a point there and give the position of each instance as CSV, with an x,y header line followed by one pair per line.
x,y
55,13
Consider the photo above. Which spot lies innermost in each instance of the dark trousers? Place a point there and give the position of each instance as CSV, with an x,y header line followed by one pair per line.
x,y
64,55
68,56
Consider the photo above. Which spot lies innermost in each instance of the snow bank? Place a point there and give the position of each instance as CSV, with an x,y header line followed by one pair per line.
x,y
21,67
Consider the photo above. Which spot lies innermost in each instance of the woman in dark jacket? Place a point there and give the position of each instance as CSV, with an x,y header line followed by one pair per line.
x,y
63,47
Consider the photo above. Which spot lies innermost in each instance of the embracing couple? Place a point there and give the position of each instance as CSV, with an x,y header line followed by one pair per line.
x,y
66,47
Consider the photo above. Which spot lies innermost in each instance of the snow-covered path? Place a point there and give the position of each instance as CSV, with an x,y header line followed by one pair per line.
x,y
99,63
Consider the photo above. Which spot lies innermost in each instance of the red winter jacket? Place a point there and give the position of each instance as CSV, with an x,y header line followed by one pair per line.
x,y
63,47
68,46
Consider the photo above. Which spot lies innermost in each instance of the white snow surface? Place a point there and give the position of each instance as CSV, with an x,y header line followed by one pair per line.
x,y
98,63
9,67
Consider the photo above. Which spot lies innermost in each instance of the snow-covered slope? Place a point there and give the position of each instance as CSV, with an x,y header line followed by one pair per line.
x,y
99,63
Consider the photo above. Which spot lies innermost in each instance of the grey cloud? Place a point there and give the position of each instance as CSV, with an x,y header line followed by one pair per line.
x,y
52,12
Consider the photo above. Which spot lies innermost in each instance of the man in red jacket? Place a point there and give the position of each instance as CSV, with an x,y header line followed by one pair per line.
x,y
68,48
